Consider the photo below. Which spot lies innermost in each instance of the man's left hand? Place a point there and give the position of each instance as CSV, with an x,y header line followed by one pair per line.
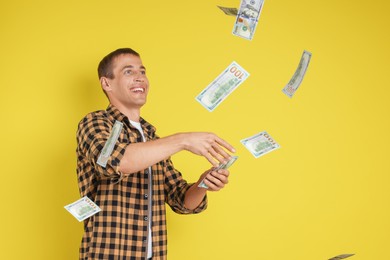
x,y
216,180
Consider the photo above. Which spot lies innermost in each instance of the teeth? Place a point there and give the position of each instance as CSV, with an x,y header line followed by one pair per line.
x,y
138,90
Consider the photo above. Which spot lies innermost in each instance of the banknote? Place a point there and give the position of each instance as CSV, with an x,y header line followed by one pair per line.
x,y
82,208
248,18
260,144
297,78
229,10
222,86
110,143
221,166
341,256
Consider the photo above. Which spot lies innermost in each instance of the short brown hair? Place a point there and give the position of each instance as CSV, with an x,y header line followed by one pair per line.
x,y
105,66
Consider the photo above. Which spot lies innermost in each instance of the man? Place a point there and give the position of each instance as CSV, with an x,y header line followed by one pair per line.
x,y
134,181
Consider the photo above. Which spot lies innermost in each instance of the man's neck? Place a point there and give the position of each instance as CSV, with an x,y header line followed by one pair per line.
x,y
132,113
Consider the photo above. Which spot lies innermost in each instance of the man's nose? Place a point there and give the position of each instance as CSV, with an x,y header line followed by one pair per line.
x,y
139,77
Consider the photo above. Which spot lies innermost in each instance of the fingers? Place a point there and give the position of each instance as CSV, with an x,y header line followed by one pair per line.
x,y
209,145
225,144
217,149
210,158
217,180
216,155
220,154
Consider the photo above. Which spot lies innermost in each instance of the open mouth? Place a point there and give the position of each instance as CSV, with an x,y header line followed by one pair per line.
x,y
138,90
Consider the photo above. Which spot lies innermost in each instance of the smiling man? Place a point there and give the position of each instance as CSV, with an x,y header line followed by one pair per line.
x,y
134,181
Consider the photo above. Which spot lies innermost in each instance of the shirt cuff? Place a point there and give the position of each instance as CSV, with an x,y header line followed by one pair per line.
x,y
111,170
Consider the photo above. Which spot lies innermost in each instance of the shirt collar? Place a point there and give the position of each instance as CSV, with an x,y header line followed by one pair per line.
x,y
117,115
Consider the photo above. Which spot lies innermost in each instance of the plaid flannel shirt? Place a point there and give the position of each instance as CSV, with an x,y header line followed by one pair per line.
x,y
120,230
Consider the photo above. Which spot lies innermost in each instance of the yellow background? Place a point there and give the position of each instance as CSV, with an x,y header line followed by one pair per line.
x,y
324,193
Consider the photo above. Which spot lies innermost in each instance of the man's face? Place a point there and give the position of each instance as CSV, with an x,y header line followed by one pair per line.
x,y
130,86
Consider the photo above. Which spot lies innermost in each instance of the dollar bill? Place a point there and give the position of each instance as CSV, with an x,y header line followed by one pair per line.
x,y
110,143
83,208
248,18
297,78
260,144
228,10
222,86
341,256
221,166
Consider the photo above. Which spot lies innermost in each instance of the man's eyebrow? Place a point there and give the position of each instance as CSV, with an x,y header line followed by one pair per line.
x,y
132,67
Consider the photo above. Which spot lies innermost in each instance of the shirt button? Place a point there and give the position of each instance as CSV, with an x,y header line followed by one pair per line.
x,y
146,196
146,218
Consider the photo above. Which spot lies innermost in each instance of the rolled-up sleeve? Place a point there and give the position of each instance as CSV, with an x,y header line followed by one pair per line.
x,y
175,190
92,134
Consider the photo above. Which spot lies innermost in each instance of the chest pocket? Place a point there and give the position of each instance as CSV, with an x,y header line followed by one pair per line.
x,y
124,136
129,135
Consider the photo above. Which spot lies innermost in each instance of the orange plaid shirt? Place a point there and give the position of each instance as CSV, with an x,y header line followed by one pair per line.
x,y
120,230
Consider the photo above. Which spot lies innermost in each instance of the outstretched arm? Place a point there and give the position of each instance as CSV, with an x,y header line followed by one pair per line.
x,y
139,156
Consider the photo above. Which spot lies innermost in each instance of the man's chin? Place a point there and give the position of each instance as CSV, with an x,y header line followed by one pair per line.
x,y
140,103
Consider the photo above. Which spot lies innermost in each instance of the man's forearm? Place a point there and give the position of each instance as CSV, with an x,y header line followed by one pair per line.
x,y
194,196
139,156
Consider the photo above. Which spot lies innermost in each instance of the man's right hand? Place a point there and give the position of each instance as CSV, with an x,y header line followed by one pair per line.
x,y
208,145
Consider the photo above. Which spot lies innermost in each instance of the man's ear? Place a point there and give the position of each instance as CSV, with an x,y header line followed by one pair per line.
x,y
105,84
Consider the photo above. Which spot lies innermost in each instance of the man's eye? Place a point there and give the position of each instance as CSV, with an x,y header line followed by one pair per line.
x,y
143,72
128,72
